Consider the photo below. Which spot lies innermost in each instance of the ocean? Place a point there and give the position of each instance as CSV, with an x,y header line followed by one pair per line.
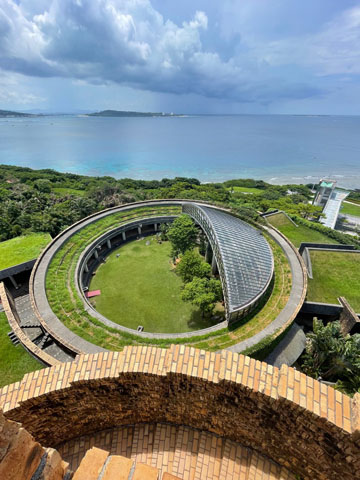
x,y
275,148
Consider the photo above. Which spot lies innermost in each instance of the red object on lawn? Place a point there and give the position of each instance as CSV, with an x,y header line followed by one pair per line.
x,y
93,293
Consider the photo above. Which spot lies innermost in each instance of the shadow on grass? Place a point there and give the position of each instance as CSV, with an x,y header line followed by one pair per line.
x,y
197,322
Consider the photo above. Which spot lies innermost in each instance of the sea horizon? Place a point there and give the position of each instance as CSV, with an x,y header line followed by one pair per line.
x,y
277,148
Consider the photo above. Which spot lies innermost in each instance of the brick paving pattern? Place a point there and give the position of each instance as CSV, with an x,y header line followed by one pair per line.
x,y
181,451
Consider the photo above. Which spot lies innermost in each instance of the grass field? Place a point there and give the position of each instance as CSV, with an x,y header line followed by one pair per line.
x,y
141,288
21,249
335,274
14,361
297,234
350,209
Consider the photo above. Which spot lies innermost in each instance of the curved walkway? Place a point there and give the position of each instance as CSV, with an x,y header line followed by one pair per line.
x,y
38,297
76,344
296,299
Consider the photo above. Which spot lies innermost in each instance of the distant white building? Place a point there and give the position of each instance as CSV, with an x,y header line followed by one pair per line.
x,y
324,191
330,198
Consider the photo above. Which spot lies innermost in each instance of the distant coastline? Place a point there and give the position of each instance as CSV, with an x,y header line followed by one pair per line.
x,y
124,113
11,114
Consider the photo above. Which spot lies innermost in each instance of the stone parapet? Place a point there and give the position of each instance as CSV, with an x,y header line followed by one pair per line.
x,y
14,322
294,420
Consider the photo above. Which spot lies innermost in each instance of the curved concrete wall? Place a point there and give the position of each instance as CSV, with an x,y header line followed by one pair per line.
x,y
292,419
74,343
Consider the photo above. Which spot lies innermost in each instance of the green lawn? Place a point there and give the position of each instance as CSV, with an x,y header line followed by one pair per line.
x,y
68,191
245,189
21,249
297,234
335,274
349,209
14,361
140,287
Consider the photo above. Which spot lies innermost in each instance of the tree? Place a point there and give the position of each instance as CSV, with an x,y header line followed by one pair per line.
x,y
43,185
164,228
192,265
203,293
182,234
332,356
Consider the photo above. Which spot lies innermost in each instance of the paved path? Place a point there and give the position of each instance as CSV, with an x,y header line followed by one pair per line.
x,y
294,303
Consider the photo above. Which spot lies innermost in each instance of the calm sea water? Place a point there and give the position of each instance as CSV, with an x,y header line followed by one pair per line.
x,y
279,149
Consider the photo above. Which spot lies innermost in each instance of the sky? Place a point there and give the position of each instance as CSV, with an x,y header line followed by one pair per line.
x,y
183,56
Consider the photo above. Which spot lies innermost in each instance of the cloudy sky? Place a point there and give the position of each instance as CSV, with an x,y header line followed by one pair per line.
x,y
196,56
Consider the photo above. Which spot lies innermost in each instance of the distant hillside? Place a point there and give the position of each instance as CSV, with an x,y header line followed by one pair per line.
x,y
122,113
10,114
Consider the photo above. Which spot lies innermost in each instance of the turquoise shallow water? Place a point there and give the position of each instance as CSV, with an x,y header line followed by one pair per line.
x,y
276,148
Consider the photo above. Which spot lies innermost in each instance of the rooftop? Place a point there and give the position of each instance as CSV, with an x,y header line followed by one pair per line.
x,y
22,249
246,256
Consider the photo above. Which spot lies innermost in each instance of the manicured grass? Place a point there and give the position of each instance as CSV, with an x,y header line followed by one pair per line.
x,y
298,234
61,191
244,190
21,249
335,274
14,361
350,209
140,287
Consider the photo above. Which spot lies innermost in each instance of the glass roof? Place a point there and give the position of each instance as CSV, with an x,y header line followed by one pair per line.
x,y
246,256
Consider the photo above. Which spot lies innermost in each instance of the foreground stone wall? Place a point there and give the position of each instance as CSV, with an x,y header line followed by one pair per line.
x,y
23,458
301,424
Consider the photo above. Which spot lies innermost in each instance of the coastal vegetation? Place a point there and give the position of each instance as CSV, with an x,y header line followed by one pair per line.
x,y
49,201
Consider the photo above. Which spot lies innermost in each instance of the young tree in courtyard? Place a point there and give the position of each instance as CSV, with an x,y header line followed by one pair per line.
x,y
182,234
192,265
203,293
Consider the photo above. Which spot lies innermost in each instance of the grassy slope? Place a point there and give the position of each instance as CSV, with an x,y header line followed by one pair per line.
x,y
349,209
14,361
22,249
335,274
140,288
297,234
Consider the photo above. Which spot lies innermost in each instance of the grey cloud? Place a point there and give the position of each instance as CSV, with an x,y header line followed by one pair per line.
x,y
128,42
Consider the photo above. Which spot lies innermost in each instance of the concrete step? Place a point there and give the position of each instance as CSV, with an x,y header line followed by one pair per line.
x,y
14,339
145,472
117,468
91,465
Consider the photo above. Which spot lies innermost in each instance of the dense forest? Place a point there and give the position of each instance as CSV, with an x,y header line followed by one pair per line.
x,y
49,201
